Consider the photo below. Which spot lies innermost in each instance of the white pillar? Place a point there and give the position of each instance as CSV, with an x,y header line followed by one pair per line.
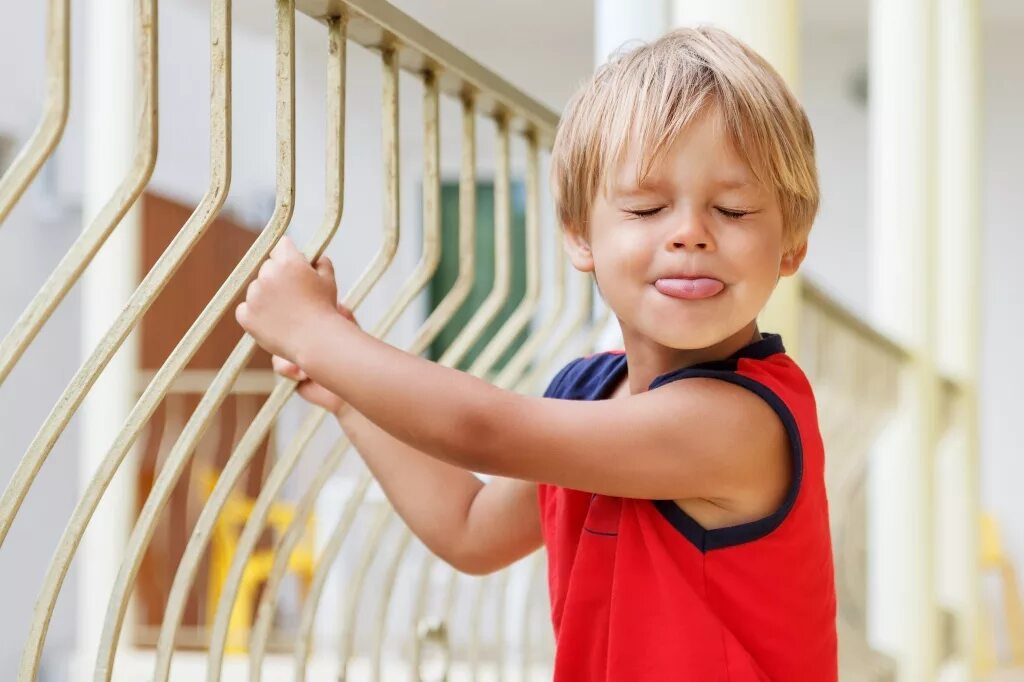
x,y
619,21
902,606
773,30
959,226
106,285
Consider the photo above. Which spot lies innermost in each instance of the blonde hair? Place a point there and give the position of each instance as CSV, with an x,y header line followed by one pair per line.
x,y
650,94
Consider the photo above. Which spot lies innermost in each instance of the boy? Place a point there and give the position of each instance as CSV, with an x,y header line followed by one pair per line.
x,y
686,522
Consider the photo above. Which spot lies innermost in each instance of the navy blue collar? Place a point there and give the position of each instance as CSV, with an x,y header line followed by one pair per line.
x,y
767,346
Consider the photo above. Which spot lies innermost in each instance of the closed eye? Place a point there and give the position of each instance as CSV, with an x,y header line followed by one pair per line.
x,y
729,213
645,213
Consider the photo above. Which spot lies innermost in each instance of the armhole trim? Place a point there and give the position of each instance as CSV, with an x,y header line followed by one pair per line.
x,y
720,538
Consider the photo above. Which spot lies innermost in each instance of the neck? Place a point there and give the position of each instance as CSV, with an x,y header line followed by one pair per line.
x,y
648,359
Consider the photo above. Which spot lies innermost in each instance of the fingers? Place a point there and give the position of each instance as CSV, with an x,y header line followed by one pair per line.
x,y
287,369
285,249
346,313
325,268
242,315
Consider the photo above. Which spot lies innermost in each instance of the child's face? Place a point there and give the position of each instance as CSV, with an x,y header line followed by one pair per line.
x,y
699,213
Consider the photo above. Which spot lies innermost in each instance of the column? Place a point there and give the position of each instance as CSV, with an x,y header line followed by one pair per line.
x,y
106,285
958,305
902,597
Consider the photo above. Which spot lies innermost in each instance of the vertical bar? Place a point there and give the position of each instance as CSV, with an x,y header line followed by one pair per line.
x,y
516,366
91,239
50,129
427,332
331,551
502,254
389,62
146,37
278,222
209,207
534,578
540,371
380,619
322,570
524,311
414,285
282,553
82,251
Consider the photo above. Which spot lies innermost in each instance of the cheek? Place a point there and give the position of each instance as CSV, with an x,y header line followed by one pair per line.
x,y
623,253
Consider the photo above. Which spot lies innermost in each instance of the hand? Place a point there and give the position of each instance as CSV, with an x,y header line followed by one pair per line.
x,y
287,300
311,391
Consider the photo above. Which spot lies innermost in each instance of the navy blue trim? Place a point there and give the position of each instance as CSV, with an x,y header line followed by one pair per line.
x,y
719,538
769,345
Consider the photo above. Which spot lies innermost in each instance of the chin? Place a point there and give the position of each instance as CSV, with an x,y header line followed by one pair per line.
x,y
683,336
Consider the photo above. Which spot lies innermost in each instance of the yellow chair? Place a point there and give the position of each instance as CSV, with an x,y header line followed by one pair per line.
x,y
994,558
229,526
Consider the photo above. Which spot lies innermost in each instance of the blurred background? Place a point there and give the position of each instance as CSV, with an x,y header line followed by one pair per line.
x,y
906,316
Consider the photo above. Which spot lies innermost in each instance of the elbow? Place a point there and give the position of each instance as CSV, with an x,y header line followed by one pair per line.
x,y
468,562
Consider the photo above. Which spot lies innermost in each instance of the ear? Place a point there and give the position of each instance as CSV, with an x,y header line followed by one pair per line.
x,y
791,260
578,249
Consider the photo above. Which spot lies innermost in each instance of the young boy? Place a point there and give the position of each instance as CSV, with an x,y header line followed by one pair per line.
x,y
686,522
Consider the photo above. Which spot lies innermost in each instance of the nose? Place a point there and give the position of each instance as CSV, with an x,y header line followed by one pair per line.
x,y
689,232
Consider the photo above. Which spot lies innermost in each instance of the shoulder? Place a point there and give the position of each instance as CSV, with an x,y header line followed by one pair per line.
x,y
584,377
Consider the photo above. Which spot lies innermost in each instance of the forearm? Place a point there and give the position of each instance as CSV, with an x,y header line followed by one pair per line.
x,y
442,412
432,497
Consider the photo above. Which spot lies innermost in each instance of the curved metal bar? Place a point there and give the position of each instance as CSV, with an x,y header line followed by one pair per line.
x,y
69,269
502,243
476,613
170,260
532,580
285,546
417,281
585,346
91,239
529,383
225,378
499,634
511,327
505,380
502,271
48,132
82,251
331,551
467,188
419,608
426,334
381,615
586,301
516,366
523,313
157,388
203,416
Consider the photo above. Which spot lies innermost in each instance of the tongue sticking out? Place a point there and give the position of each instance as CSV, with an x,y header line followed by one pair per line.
x,y
701,287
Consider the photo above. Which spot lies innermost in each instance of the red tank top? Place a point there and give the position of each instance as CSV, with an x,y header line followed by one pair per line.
x,y
640,592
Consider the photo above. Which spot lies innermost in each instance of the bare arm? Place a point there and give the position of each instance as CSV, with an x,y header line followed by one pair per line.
x,y
694,438
476,527
641,446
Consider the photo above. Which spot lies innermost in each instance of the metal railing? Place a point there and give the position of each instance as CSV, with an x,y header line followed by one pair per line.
x,y
853,368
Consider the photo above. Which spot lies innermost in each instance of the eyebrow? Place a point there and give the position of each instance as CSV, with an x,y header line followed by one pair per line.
x,y
734,183
649,186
